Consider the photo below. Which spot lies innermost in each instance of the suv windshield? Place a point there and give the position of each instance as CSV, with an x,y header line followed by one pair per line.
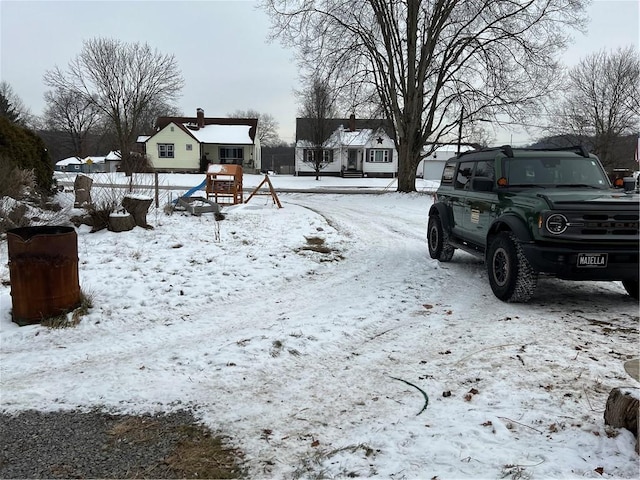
x,y
556,172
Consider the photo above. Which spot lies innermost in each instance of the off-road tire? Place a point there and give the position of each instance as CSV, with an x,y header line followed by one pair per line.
x,y
632,287
510,275
437,240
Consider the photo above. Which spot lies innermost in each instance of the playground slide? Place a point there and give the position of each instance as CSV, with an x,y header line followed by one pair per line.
x,y
191,191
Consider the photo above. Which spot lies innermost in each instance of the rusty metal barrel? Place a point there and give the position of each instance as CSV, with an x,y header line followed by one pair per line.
x,y
43,270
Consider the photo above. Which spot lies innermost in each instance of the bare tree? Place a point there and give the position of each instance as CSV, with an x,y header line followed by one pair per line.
x,y
317,106
431,64
121,80
72,114
601,101
267,126
150,114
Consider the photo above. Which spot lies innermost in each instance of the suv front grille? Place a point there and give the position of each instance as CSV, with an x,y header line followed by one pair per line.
x,y
603,224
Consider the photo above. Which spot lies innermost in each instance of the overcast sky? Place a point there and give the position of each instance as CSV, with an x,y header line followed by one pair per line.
x,y
220,47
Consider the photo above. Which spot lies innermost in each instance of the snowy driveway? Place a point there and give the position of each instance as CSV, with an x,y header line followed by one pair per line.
x,y
318,363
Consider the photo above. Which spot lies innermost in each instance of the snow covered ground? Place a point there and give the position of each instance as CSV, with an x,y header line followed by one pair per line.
x,y
320,363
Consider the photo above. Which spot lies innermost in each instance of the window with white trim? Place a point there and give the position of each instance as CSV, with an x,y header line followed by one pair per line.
x,y
379,156
231,155
165,150
311,154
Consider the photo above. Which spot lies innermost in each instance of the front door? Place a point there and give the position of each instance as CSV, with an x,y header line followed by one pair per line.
x,y
352,162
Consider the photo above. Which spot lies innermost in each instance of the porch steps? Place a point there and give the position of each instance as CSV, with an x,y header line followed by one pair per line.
x,y
352,174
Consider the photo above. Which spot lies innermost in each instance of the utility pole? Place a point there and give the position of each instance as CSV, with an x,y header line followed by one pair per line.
x,y
460,129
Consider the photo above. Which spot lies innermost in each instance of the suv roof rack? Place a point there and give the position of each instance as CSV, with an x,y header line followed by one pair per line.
x,y
508,150
580,149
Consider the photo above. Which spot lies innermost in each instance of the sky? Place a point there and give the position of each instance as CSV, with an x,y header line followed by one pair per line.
x,y
221,48
367,360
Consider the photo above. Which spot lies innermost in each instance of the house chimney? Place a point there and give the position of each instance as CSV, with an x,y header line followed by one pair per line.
x,y
352,123
200,117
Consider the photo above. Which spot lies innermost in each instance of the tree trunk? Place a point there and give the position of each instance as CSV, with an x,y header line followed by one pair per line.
x,y
622,410
407,166
82,189
138,208
121,223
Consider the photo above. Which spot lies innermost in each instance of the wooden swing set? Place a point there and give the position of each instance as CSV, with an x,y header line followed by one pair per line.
x,y
224,186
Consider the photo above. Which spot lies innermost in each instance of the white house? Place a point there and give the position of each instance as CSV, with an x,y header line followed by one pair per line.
x,y
431,166
91,163
352,148
71,164
189,144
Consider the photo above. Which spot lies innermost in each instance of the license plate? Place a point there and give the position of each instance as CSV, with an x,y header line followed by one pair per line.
x,y
592,260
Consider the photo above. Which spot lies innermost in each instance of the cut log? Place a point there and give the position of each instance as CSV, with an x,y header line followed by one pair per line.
x,y
138,208
82,189
119,222
622,410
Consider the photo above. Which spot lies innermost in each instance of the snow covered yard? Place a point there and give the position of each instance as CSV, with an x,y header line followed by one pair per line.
x,y
318,362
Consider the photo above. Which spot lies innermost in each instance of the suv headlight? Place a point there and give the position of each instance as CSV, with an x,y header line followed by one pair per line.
x,y
556,223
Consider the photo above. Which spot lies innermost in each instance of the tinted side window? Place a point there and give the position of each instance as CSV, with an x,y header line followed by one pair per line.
x,y
463,176
447,173
485,168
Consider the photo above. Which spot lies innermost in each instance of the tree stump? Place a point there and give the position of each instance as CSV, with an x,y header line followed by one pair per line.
x,y
622,410
82,189
121,222
138,208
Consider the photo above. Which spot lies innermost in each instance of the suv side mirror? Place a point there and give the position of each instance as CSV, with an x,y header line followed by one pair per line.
x,y
482,184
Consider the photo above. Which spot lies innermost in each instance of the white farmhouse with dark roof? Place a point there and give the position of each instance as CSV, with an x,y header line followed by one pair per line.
x,y
190,144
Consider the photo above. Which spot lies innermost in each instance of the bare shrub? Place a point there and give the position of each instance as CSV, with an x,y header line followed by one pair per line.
x,y
15,182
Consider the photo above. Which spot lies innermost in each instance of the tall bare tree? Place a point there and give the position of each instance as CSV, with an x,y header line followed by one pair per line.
x,y
121,80
72,114
431,63
150,114
601,101
267,126
317,105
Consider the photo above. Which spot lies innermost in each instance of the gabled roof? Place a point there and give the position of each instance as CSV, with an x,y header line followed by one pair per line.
x,y
190,125
240,134
305,126
69,161
113,155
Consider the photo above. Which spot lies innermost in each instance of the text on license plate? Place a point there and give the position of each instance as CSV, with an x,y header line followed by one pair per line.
x,y
592,260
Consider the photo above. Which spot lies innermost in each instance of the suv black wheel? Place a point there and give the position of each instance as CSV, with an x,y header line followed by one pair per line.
x,y
511,277
632,287
439,247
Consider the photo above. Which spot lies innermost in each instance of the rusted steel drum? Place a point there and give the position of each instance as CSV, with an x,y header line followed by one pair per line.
x,y
43,269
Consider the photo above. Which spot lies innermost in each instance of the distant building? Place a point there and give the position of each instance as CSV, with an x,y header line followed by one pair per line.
x,y
90,164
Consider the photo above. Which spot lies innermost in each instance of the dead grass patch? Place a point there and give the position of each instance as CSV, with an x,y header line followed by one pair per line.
x,y
201,455
72,318
134,429
318,245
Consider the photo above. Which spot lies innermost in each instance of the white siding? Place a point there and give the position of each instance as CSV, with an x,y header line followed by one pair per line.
x,y
183,159
380,167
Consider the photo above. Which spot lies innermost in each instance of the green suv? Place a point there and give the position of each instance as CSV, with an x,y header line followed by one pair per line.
x,y
528,212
